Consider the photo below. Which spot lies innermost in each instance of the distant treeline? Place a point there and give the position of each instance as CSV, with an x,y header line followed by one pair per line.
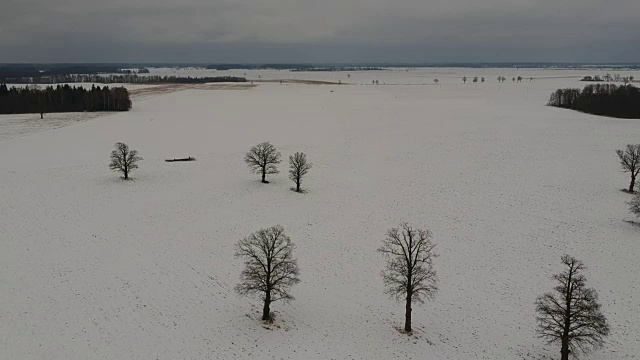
x,y
600,99
133,71
338,68
62,98
292,67
258,66
35,70
126,79
609,78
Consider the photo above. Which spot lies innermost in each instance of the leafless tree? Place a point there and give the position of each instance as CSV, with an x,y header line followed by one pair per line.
x,y
464,79
634,205
630,162
263,159
436,81
298,168
270,269
571,315
124,160
409,274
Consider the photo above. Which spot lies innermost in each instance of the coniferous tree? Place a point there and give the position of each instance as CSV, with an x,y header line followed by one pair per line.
x,y
62,98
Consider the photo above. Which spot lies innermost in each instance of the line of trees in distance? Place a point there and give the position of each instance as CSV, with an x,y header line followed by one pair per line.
x,y
62,98
338,68
31,70
609,78
600,99
124,79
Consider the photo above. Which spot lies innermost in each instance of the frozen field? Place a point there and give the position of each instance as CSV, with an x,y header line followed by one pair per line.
x,y
93,267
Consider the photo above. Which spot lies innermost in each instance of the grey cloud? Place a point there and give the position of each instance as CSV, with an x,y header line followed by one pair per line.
x,y
319,31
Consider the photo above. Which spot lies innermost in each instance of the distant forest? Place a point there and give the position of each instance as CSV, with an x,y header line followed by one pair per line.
x,y
62,98
339,68
600,99
36,70
115,79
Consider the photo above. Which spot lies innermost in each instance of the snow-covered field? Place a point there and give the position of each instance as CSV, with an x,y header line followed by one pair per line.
x,y
93,267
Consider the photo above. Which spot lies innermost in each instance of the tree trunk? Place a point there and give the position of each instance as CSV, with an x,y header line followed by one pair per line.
x,y
264,174
564,352
41,115
407,315
298,185
265,310
632,184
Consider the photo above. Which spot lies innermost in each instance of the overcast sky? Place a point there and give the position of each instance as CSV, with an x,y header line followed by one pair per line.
x,y
255,31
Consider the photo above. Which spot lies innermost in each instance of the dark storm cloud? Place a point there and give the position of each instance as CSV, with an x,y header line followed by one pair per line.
x,y
318,31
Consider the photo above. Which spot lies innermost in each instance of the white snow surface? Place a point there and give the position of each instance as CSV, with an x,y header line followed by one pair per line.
x,y
94,267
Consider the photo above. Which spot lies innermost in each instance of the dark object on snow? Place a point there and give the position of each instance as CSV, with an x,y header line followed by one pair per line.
x,y
181,159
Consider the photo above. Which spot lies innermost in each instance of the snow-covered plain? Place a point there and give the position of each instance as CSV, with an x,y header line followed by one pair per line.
x,y
93,267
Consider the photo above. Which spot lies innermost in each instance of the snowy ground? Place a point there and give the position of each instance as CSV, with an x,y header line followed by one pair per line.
x,y
98,268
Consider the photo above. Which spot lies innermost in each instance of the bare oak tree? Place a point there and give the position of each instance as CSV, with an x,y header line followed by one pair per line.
x,y
270,269
263,159
298,168
571,315
409,273
124,160
630,162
